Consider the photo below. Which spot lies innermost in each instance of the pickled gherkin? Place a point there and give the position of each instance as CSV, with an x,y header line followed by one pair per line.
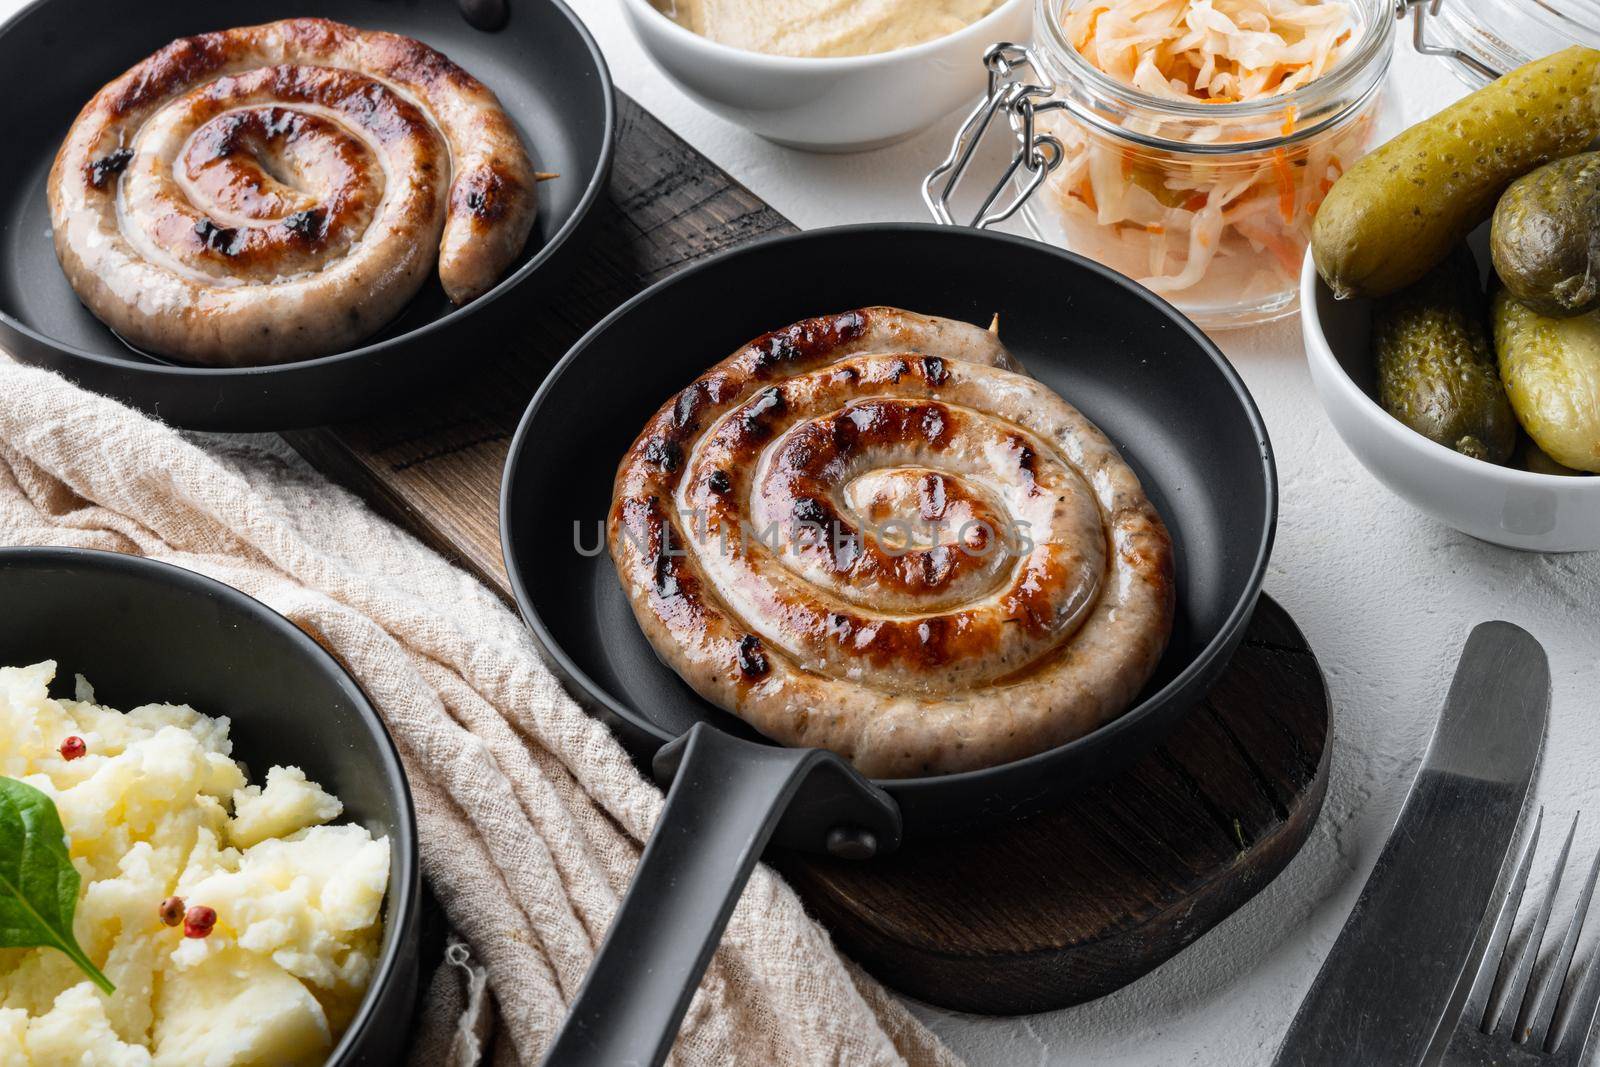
x,y
1551,369
1546,237
1436,366
1400,210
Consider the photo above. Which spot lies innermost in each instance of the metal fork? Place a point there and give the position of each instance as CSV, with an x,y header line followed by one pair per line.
x,y
1547,1025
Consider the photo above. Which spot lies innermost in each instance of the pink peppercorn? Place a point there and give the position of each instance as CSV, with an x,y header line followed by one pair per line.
x,y
198,921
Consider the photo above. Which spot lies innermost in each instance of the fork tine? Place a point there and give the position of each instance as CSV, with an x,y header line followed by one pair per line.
x,y
1580,1006
1476,1010
1518,989
1543,1009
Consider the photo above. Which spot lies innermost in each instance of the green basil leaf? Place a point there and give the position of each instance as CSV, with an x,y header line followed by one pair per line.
x,y
38,884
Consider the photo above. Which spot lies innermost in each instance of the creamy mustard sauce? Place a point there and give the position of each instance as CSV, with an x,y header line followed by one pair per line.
x,y
824,27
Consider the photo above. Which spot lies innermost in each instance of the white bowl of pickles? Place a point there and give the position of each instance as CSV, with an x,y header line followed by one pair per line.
x,y
1512,505
1451,309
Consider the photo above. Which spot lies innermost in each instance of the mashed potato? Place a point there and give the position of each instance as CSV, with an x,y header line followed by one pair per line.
x,y
156,807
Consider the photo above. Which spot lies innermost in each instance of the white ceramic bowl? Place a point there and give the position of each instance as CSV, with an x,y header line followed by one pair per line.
x,y
831,105
1516,508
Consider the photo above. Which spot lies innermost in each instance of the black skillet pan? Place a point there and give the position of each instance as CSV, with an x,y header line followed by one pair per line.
x,y
55,54
1143,373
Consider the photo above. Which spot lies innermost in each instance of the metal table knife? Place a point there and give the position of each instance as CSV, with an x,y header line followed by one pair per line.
x,y
1400,967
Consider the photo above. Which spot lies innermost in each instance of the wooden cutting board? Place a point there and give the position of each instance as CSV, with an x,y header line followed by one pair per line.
x,y
1062,908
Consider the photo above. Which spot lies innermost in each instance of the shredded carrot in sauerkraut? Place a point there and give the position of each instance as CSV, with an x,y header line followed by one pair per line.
x,y
1238,224
1212,50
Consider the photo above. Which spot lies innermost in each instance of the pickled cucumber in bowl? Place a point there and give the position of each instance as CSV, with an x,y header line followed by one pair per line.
x,y
1396,214
1436,362
1546,237
1452,365
1551,370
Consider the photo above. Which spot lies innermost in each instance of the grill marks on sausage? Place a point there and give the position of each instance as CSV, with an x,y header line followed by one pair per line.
x,y
485,194
810,509
811,341
925,644
366,102
310,226
794,348
686,408
1025,456
754,422
818,451
220,139
178,64
224,160
1027,463
234,152
223,240
666,578
753,658
774,350
935,500
811,461
1031,601
675,587
808,461
665,453
185,61
102,170
886,422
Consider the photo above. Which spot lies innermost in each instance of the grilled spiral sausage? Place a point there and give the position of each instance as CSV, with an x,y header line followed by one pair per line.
x,y
276,192
871,532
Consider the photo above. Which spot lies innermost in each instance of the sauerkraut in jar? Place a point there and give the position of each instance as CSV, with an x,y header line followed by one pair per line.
x,y
1200,136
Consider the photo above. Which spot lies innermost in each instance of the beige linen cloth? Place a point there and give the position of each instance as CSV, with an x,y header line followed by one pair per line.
x,y
530,815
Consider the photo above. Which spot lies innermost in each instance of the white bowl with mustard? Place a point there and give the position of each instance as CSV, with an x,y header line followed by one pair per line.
x,y
828,77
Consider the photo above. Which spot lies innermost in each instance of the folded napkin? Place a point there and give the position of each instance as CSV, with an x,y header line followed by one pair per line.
x,y
531,816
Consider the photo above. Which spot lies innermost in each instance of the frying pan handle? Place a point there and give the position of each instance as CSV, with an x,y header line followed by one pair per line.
x,y
727,798
485,15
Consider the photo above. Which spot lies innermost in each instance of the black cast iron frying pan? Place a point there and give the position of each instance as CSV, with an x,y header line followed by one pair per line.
x,y
1143,373
55,54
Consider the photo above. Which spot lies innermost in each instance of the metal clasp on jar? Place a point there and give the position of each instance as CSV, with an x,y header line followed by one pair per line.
x,y
1420,10
1036,152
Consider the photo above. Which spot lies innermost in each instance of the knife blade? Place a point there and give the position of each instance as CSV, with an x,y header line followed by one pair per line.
x,y
1385,991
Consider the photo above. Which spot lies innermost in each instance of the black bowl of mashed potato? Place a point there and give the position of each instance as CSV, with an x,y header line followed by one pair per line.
x,y
235,808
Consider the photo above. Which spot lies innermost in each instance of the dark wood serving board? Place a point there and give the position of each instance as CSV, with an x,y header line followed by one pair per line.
x,y
1053,911
1075,903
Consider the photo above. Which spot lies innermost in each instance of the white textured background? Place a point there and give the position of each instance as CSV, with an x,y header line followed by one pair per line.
x,y
1385,596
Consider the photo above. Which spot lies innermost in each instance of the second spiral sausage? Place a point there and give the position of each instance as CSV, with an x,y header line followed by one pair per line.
x,y
280,191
